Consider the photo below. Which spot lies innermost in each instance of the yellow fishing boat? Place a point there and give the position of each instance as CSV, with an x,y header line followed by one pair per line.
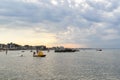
x,y
39,54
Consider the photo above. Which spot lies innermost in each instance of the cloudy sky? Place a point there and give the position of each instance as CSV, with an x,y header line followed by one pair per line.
x,y
69,23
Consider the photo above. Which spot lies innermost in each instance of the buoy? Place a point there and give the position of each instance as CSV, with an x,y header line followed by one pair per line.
x,y
21,55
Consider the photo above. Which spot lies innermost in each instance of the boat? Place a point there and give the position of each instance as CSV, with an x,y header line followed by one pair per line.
x,y
22,51
99,49
39,54
66,50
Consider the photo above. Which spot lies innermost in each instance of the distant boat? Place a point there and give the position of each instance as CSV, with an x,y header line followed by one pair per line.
x,y
21,55
98,49
66,50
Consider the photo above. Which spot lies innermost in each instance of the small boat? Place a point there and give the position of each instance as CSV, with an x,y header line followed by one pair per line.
x,y
22,51
39,54
21,55
99,49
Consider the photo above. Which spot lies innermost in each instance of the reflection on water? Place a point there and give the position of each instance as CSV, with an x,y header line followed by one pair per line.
x,y
83,65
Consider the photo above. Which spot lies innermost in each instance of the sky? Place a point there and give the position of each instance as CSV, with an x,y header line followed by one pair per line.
x,y
68,23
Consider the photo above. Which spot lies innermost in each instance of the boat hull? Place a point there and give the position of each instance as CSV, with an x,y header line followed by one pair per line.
x,y
66,50
39,55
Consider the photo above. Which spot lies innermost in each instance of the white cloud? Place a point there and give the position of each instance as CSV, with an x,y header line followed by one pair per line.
x,y
31,1
54,2
110,34
84,22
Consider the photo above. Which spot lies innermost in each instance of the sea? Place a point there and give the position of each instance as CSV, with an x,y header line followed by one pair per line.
x,y
86,64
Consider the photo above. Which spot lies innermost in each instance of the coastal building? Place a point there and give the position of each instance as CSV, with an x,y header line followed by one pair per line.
x,y
2,46
42,47
58,47
26,47
13,46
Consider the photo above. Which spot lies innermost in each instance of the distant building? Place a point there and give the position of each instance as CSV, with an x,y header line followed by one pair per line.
x,y
58,47
42,47
26,47
2,46
13,46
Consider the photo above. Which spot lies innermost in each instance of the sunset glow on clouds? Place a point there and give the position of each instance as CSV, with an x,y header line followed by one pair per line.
x,y
70,23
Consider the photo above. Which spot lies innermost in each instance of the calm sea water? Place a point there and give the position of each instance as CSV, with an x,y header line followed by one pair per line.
x,y
83,65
